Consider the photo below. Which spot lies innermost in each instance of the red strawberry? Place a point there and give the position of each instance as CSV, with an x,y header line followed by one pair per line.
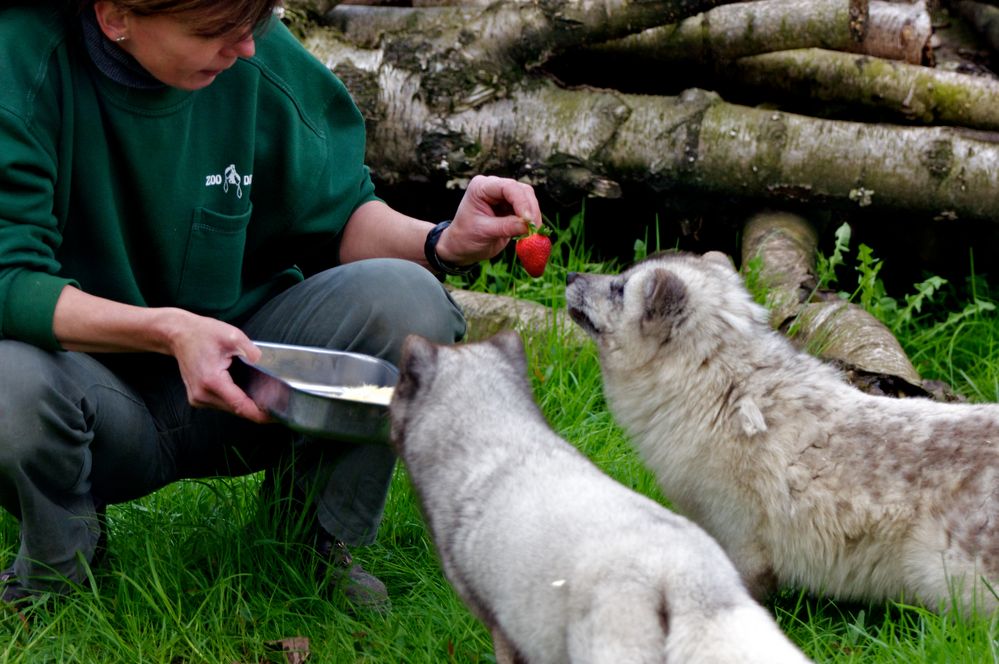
x,y
533,251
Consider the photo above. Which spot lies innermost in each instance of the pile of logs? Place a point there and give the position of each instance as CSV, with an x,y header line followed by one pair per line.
x,y
879,106
455,89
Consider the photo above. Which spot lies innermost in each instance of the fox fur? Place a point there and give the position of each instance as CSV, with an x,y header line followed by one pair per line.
x,y
561,562
803,479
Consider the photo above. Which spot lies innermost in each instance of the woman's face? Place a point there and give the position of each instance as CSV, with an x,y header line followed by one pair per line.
x,y
172,51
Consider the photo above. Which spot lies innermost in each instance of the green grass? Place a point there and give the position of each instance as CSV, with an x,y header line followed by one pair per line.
x,y
196,574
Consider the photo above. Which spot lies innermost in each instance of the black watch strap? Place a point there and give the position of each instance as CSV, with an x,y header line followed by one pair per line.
x,y
438,266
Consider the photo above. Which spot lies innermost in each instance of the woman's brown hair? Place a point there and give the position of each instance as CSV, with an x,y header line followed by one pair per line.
x,y
209,18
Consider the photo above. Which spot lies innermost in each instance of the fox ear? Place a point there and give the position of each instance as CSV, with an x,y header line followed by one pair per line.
x,y
417,365
665,300
509,342
719,258
512,346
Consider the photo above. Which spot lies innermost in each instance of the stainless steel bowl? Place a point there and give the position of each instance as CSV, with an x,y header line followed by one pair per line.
x,y
299,386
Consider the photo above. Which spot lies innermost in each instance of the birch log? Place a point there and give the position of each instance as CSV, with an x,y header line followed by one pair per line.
x,y
785,245
748,28
910,92
479,43
898,31
695,142
782,156
829,327
489,314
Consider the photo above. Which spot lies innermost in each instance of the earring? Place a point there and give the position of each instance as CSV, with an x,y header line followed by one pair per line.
x,y
120,38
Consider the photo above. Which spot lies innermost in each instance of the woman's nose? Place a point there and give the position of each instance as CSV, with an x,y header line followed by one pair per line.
x,y
244,48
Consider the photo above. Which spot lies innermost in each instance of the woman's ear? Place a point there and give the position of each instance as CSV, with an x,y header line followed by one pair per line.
x,y
112,19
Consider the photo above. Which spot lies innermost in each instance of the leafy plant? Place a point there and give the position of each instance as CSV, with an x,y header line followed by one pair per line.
x,y
870,292
825,266
947,332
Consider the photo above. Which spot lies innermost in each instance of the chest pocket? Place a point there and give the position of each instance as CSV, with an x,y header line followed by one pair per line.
x,y
211,276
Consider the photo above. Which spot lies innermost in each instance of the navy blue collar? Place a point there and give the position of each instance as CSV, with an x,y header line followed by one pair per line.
x,y
113,61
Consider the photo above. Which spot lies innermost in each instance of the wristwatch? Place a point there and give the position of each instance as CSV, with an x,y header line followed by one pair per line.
x,y
437,265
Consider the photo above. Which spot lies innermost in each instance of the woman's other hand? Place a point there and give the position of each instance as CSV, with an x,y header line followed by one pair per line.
x,y
203,347
204,350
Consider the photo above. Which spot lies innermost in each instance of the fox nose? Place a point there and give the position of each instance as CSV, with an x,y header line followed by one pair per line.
x,y
571,277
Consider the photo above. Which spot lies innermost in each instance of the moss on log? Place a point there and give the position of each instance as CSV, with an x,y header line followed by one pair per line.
x,y
910,92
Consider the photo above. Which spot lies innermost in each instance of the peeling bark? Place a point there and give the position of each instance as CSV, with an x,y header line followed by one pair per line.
x,y
898,31
477,44
694,142
911,92
310,7
706,145
424,125
877,28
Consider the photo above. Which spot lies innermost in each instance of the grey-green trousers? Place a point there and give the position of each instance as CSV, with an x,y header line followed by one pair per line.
x,y
78,430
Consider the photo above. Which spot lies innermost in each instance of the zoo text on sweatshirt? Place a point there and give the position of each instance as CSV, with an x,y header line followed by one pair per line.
x,y
213,200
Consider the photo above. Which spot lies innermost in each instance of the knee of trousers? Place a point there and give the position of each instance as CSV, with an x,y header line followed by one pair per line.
x,y
42,424
395,298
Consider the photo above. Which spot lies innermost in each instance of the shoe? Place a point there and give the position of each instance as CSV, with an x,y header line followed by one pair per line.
x,y
360,587
289,507
15,596
13,593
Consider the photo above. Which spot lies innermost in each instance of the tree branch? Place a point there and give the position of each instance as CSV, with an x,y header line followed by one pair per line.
x,y
898,31
694,142
747,28
911,92
495,38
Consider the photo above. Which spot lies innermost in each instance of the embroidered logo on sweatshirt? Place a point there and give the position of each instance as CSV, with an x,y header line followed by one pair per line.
x,y
230,179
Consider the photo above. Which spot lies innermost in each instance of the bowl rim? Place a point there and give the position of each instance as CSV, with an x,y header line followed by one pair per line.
x,y
315,350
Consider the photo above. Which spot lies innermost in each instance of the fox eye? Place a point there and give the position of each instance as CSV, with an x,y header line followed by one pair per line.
x,y
616,289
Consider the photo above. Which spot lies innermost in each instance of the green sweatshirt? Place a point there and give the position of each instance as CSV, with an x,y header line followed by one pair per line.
x,y
213,200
